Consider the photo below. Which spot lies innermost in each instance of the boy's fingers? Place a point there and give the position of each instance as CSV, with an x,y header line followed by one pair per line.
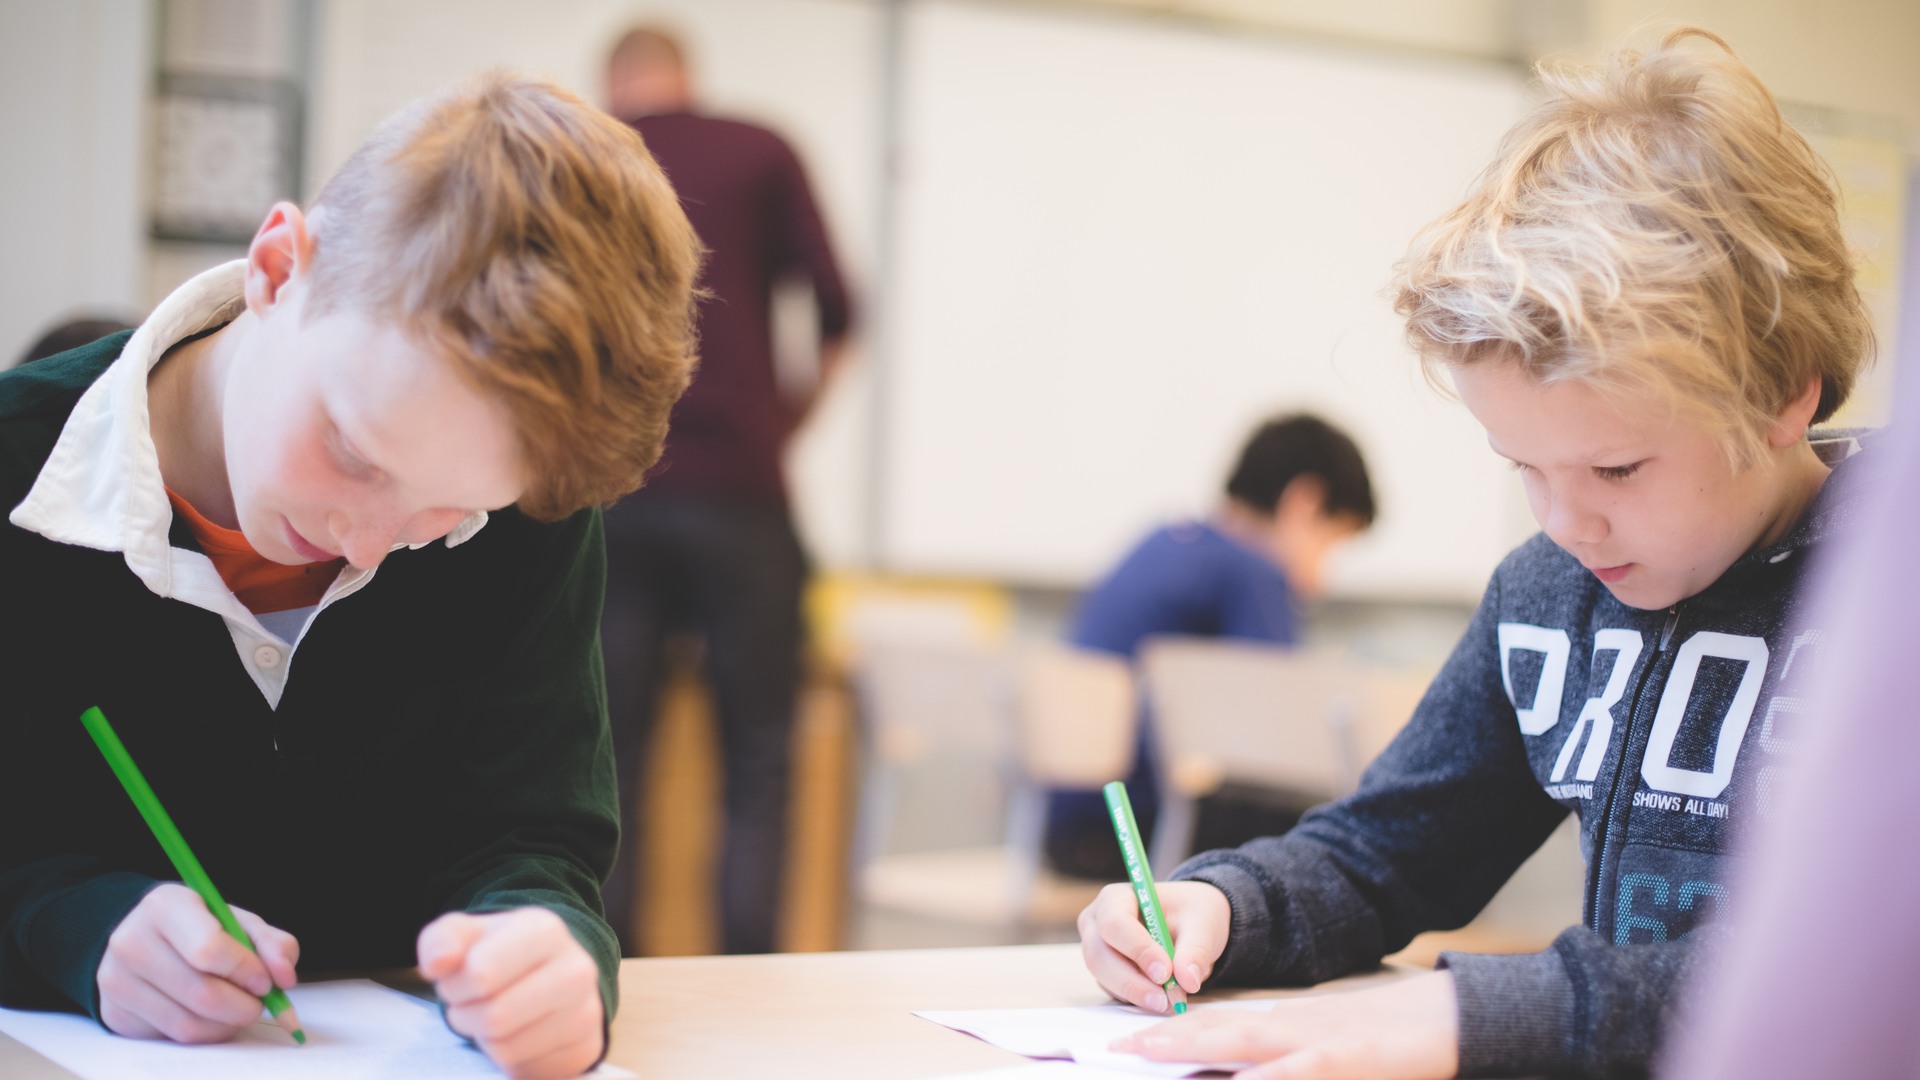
x,y
198,939
1193,955
1199,917
497,1022
124,1022
558,993
1118,976
507,946
561,1021
208,996
1189,975
1339,1059
1168,1032
444,942
1119,952
1117,921
279,950
162,1012
1214,1037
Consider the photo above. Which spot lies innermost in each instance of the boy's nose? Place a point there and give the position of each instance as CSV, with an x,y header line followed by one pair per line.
x,y
1571,524
366,540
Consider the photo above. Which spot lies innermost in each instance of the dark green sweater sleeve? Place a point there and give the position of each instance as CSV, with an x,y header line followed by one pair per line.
x,y
541,813
56,912
55,918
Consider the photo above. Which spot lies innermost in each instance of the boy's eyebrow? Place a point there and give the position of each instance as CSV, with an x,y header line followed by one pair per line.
x,y
1633,452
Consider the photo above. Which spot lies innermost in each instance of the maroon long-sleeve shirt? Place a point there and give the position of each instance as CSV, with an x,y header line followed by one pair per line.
x,y
747,196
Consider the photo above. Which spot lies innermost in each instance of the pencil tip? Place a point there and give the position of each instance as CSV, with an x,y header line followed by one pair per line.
x,y
290,1020
1179,1008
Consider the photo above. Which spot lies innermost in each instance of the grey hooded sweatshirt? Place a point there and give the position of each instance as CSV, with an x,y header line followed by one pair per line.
x,y
1663,730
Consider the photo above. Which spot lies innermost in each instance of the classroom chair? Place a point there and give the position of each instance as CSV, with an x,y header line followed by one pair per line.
x,y
963,742
1300,721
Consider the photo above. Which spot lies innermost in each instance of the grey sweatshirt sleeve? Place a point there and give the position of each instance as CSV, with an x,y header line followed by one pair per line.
x,y
1581,1008
1441,819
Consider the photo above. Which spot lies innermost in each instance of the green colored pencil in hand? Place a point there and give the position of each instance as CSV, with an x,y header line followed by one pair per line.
x,y
183,859
1133,851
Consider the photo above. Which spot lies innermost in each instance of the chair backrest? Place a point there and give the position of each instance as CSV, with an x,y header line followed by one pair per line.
x,y
1242,711
1077,712
1392,693
923,697
939,737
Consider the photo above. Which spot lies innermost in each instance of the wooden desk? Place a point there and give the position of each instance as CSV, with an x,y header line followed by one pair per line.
x,y
846,1015
803,1015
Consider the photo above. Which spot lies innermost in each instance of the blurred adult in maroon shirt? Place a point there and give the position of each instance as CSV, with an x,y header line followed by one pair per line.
x,y
709,544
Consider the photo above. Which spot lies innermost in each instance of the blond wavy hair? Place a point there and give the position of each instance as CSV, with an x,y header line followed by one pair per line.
x,y
1653,227
533,241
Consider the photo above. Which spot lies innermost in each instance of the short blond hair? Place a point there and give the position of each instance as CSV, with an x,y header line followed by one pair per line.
x,y
532,240
1653,226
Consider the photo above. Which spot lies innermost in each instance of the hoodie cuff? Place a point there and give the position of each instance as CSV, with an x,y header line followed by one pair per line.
x,y
1247,958
1516,1013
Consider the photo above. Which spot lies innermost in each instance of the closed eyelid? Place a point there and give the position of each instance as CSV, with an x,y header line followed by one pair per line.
x,y
350,459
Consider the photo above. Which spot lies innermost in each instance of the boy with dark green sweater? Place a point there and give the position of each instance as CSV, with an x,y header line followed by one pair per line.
x,y
431,378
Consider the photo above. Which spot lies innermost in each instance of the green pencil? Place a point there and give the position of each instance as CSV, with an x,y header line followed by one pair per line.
x,y
183,859
1120,809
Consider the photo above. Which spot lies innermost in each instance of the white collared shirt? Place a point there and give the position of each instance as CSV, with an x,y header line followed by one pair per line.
x,y
101,486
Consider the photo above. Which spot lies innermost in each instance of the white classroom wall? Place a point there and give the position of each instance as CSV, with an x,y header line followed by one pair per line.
x,y
1124,243
73,86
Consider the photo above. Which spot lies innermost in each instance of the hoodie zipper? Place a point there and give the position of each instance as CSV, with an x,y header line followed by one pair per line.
x,y
1620,769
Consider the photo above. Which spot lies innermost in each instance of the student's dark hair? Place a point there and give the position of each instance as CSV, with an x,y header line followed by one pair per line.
x,y
1288,447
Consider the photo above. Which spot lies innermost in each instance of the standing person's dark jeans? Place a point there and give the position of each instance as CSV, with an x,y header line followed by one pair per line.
x,y
732,572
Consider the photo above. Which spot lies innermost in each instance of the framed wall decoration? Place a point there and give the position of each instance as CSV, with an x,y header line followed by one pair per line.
x,y
227,147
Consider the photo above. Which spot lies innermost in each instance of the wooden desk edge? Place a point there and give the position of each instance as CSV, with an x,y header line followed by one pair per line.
x,y
684,1016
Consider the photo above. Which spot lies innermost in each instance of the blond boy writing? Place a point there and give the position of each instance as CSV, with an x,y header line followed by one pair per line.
x,y
1645,302
320,538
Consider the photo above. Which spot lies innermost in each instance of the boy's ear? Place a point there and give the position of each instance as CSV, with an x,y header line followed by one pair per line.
x,y
1303,499
281,250
1791,425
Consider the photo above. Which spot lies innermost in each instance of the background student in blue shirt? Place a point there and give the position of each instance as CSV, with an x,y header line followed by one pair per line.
x,y
1299,489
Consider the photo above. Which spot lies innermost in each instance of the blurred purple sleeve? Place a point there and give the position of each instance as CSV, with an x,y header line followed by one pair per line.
x,y
1824,976
805,247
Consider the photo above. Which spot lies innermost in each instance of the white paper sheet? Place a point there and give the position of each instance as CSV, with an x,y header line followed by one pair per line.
x,y
1046,1070
354,1028
1079,1034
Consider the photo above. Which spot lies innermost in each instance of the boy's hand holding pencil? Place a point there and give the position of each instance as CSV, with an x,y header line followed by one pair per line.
x,y
171,971
1128,933
1129,964
175,966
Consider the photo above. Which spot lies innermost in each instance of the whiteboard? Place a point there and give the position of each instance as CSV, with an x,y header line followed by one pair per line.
x,y
1121,243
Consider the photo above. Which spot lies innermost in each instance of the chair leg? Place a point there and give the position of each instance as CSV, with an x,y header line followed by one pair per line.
x,y
1173,835
1026,823
1346,744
